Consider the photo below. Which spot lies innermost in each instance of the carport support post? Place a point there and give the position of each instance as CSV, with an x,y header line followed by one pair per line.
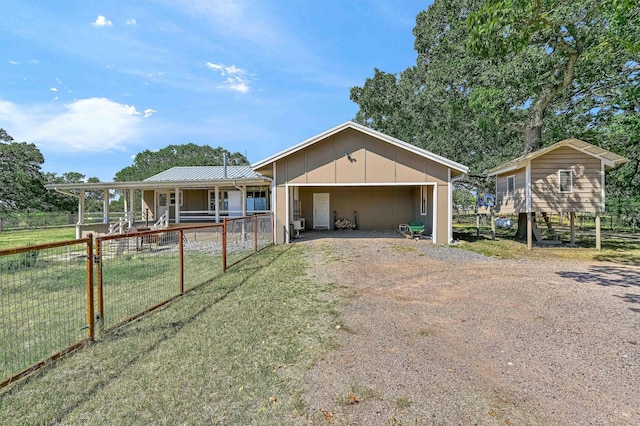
x,y
529,230
598,236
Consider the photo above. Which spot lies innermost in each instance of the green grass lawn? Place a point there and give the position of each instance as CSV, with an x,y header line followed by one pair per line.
x,y
12,239
232,351
621,248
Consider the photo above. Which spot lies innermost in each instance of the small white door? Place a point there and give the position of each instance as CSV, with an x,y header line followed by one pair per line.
x,y
162,204
321,214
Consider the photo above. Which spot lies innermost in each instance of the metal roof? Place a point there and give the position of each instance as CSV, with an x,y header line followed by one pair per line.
x,y
184,177
364,129
610,159
204,173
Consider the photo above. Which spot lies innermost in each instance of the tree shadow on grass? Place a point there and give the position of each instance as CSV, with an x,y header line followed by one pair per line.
x,y
610,276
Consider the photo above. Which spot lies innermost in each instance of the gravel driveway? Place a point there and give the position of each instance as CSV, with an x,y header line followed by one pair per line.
x,y
437,335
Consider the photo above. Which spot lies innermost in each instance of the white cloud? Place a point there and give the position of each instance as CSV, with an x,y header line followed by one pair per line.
x,y
101,21
131,22
13,62
149,112
90,125
53,89
237,78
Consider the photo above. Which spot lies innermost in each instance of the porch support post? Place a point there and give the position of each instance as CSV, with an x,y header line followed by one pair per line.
x,y
287,237
572,224
243,188
529,230
177,205
80,214
216,198
598,235
105,206
131,207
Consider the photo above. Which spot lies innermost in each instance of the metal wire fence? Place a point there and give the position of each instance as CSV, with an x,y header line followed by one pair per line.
x,y
44,294
47,291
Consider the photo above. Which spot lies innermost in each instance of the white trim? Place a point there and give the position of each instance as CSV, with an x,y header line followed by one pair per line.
x,y
434,231
320,184
287,238
450,209
527,195
570,191
274,205
423,201
179,196
602,177
366,130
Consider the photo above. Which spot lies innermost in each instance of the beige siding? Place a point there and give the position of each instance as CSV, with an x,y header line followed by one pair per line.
x,y
437,172
378,156
148,204
587,188
372,161
376,208
195,200
280,215
511,204
442,235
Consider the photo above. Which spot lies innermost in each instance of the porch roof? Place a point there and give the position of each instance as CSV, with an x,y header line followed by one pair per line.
x,y
183,177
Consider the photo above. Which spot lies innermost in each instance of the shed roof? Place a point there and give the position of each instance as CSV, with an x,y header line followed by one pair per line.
x,y
366,130
610,159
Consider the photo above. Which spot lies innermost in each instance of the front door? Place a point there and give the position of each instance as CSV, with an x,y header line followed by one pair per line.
x,y
162,203
321,213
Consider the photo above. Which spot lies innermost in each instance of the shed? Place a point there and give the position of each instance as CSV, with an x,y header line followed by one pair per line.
x,y
566,177
351,170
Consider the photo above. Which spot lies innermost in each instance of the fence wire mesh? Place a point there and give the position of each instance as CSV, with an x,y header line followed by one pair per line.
x,y
137,273
43,303
247,235
202,254
44,290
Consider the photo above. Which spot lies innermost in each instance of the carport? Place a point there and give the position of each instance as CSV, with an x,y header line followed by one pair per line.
x,y
353,170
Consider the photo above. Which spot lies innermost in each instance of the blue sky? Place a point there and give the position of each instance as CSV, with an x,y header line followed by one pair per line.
x,y
92,83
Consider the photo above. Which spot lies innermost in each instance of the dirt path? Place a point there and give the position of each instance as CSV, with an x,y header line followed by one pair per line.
x,y
434,335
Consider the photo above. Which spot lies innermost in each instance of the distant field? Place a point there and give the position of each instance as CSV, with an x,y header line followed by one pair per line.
x,y
11,239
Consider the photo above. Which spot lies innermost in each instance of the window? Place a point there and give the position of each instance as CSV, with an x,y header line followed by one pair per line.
x,y
565,180
423,200
172,198
257,198
511,186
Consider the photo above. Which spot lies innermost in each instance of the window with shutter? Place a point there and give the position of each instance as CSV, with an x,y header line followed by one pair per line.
x,y
511,186
565,179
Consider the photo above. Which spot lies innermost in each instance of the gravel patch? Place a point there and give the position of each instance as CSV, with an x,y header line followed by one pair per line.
x,y
439,335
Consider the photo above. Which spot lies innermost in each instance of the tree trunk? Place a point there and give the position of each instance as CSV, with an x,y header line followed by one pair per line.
x,y
521,233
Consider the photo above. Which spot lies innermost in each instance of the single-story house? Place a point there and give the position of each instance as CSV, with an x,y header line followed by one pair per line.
x,y
354,172
566,177
349,171
204,194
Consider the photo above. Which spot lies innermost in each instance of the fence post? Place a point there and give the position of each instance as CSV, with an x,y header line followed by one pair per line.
x,y
90,314
255,233
100,289
181,245
224,245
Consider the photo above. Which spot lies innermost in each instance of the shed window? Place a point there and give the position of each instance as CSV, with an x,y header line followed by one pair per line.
x,y
565,180
511,186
